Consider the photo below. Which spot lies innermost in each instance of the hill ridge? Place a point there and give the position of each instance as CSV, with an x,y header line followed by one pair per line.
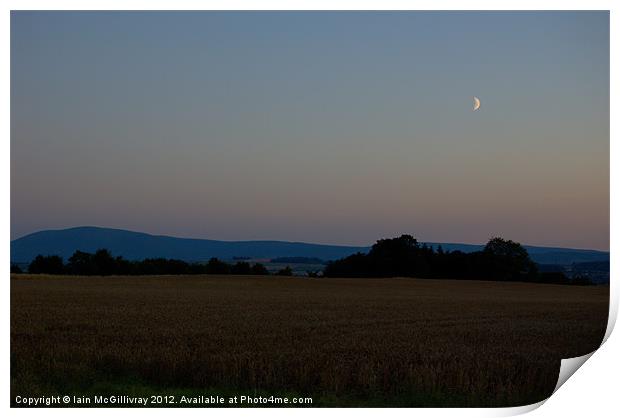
x,y
138,245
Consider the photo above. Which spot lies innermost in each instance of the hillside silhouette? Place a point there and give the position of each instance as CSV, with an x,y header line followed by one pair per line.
x,y
138,246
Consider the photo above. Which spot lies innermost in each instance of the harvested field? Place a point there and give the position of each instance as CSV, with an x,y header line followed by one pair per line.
x,y
344,342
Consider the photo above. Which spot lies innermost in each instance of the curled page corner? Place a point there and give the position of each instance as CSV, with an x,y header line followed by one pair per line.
x,y
569,366
518,410
613,314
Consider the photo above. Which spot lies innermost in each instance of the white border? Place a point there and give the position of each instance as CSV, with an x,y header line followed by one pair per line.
x,y
590,392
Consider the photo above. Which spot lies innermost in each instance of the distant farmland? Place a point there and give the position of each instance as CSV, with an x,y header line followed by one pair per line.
x,y
344,342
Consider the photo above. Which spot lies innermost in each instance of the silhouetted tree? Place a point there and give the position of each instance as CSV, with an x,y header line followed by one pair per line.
x,y
508,260
51,264
215,266
162,266
103,262
15,269
241,267
81,263
356,265
124,267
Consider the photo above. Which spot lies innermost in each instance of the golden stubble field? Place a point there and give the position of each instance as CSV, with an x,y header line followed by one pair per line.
x,y
390,342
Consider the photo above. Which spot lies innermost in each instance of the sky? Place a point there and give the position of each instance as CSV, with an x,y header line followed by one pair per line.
x,y
327,127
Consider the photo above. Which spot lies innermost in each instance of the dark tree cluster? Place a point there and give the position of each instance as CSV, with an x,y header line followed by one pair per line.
x,y
102,263
500,260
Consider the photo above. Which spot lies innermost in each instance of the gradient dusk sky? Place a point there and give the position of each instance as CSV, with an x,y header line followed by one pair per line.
x,y
340,127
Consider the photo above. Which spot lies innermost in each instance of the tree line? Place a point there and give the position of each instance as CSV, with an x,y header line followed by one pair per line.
x,y
102,263
500,260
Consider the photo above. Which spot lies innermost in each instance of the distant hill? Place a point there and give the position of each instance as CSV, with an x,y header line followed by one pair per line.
x,y
138,245
596,271
541,255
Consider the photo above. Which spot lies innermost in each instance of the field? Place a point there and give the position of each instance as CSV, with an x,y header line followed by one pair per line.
x,y
343,342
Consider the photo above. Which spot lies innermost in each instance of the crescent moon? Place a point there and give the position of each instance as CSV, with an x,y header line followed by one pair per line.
x,y
476,103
